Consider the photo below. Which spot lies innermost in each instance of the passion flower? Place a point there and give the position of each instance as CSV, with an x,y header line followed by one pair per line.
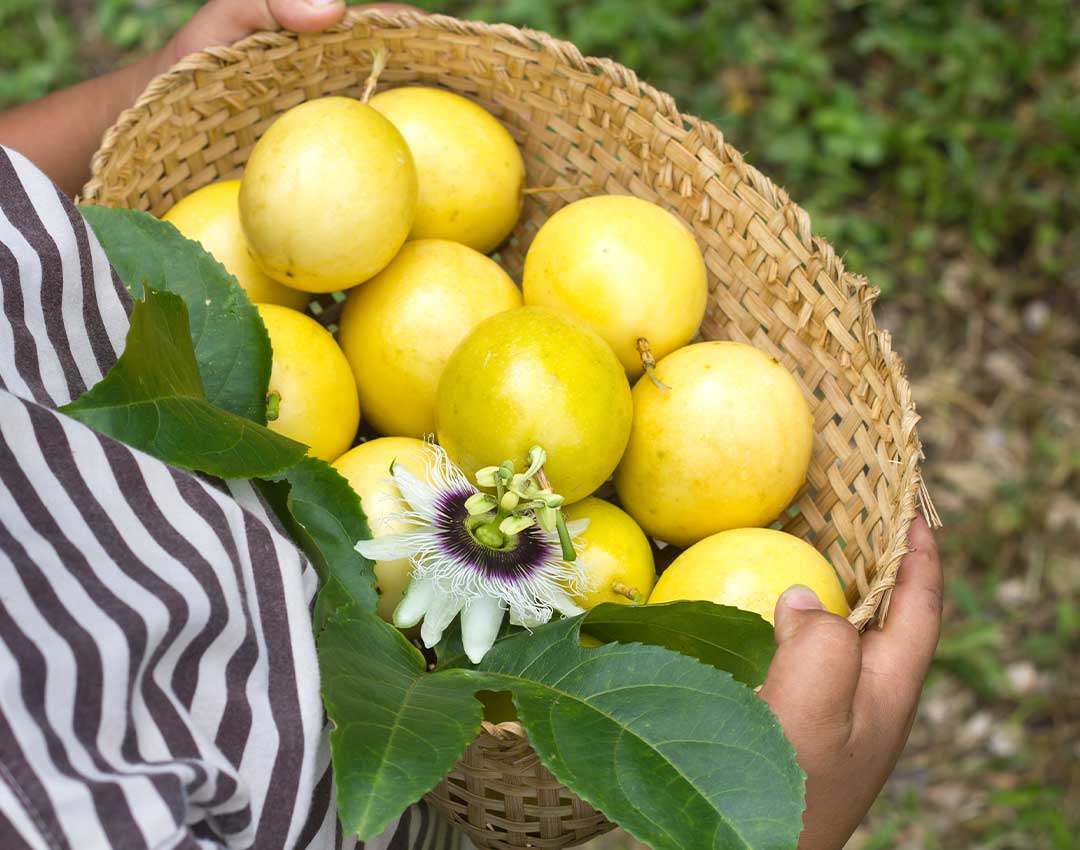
x,y
480,554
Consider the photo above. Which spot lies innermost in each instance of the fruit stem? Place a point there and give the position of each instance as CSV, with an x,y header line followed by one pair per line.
x,y
631,593
649,362
378,63
273,406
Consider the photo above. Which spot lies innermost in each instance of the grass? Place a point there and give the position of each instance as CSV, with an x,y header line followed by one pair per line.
x,y
937,145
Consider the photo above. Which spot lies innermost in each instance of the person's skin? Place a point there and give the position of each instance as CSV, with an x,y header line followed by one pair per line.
x,y
60,132
846,702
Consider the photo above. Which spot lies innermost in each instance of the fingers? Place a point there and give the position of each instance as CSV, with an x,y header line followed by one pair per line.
x,y
221,22
226,21
813,676
303,15
896,658
315,15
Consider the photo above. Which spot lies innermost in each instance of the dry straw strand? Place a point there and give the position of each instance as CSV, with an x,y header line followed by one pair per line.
x,y
588,125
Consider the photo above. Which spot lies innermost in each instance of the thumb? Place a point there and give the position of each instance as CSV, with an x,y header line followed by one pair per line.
x,y
304,15
790,610
315,15
812,678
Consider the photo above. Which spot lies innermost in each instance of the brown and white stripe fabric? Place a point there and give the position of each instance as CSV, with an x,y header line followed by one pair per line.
x,y
158,679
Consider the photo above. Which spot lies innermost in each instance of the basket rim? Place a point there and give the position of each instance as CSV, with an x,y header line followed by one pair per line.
x,y
872,608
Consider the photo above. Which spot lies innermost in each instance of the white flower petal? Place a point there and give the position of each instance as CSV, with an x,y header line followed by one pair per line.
x,y
523,618
447,581
578,526
420,495
390,547
418,598
480,621
562,603
440,614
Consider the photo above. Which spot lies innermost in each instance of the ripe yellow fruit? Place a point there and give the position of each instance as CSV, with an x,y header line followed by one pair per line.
x,y
211,216
615,552
749,568
727,447
314,387
627,267
470,169
531,376
367,469
399,329
328,195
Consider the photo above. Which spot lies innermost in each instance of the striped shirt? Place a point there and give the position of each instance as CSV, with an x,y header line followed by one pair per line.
x,y
158,680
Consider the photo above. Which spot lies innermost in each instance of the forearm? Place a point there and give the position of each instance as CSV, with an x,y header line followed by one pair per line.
x,y
59,133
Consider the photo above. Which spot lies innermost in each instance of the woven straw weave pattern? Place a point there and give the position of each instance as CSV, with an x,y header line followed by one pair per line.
x,y
587,123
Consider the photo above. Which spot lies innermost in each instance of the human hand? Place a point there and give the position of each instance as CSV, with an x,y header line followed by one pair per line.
x,y
225,21
847,702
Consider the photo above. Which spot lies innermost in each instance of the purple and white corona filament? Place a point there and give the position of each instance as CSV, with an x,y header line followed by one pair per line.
x,y
454,572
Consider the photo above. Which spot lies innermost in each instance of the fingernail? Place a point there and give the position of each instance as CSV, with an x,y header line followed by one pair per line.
x,y
321,3
801,598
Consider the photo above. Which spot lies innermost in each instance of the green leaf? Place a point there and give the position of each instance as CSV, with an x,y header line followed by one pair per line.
x,y
231,345
329,521
450,651
730,639
737,641
398,730
152,399
332,596
674,751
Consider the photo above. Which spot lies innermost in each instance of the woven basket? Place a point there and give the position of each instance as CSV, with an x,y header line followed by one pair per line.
x,y
591,123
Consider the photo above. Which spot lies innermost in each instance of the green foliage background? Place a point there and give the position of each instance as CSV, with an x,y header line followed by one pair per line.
x,y
936,143
962,116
